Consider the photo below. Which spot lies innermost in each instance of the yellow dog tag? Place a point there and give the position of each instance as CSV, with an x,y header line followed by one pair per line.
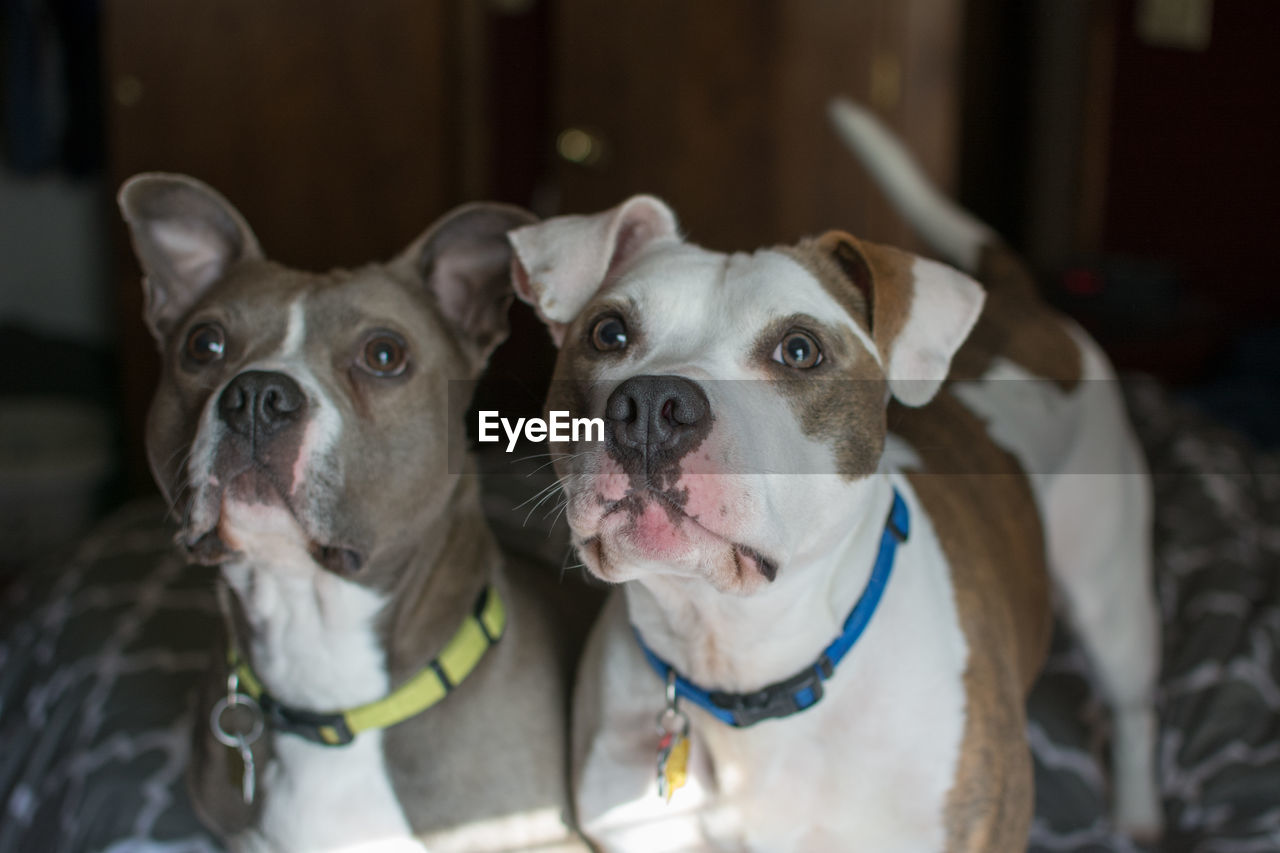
x,y
673,764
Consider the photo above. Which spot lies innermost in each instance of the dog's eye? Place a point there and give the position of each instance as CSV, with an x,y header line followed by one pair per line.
x,y
799,350
206,343
609,334
385,355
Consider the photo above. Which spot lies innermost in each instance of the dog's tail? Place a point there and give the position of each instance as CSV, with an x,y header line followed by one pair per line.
x,y
950,230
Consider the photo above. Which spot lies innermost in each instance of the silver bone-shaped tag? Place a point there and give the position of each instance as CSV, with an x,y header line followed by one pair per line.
x,y
246,727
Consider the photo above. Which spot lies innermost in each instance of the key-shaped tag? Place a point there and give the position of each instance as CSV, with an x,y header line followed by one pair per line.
x,y
246,725
249,774
235,768
673,764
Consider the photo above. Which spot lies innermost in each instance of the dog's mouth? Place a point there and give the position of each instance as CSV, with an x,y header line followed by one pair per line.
x,y
216,538
655,527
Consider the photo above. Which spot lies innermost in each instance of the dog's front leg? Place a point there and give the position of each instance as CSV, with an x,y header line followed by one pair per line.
x,y
617,702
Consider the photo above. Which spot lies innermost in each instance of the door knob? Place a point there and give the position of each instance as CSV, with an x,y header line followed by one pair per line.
x,y
582,146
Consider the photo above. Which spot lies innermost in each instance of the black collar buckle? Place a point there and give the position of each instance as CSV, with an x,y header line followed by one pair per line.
x,y
780,699
324,729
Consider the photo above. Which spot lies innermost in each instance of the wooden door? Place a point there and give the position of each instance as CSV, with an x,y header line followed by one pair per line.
x,y
337,128
718,106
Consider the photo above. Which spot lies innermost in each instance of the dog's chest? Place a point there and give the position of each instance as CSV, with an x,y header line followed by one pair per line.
x,y
314,645
312,635
320,798
873,763
869,767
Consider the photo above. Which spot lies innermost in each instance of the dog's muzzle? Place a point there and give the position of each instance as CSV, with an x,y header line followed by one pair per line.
x,y
654,420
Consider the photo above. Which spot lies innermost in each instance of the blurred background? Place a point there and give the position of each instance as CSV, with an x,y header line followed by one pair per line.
x,y
1128,147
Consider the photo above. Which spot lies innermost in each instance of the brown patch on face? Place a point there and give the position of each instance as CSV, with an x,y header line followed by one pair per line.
x,y
892,284
1017,324
873,283
838,274
982,508
840,401
579,361
567,394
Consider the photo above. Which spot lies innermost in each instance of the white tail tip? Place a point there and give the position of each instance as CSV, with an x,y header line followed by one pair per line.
x,y
949,229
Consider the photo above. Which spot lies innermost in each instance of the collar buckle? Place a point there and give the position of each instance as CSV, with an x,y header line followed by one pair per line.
x,y
780,699
324,729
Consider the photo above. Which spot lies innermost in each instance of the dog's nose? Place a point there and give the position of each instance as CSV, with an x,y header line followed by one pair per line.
x,y
656,418
258,403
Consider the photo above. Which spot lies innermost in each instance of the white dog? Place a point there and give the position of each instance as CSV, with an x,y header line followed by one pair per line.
x,y
832,550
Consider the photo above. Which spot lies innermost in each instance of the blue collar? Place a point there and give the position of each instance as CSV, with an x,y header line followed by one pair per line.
x,y
804,689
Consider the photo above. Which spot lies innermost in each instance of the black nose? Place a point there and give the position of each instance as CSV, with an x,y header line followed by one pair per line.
x,y
655,419
258,403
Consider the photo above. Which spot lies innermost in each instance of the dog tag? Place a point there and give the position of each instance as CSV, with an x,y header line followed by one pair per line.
x,y
235,768
673,743
248,773
673,764
247,724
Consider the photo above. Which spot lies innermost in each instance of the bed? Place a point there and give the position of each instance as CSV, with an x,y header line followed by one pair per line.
x,y
99,654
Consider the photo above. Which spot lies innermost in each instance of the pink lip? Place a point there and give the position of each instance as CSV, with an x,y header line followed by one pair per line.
x,y
658,535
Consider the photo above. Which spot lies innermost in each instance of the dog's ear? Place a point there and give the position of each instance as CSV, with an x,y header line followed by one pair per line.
x,y
463,260
559,264
186,237
920,311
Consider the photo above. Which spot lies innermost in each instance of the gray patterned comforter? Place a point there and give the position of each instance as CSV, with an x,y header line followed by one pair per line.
x,y
98,657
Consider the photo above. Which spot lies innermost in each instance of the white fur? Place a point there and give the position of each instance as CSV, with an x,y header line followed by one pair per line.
x,y
314,645
944,306
1087,472
711,308
1091,483
296,330
559,289
950,229
872,763
540,830
868,767
860,769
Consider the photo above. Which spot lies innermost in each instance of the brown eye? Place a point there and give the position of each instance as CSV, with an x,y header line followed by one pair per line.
x,y
385,355
609,334
798,350
206,343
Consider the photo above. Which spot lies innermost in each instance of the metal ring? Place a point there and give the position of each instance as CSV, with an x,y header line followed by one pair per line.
x,y
226,703
673,721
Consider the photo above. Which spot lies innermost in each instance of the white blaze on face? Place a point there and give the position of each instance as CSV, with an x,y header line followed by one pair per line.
x,y
315,461
296,331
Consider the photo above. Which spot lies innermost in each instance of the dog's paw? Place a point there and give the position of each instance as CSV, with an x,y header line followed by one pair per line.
x,y
1136,803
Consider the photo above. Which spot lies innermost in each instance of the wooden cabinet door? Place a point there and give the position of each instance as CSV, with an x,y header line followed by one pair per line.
x,y
719,107
332,125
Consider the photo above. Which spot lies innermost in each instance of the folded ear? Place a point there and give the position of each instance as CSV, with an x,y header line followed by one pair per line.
x,y
186,237
920,311
463,261
559,264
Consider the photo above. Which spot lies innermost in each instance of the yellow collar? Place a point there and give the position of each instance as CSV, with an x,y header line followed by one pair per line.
x,y
482,628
